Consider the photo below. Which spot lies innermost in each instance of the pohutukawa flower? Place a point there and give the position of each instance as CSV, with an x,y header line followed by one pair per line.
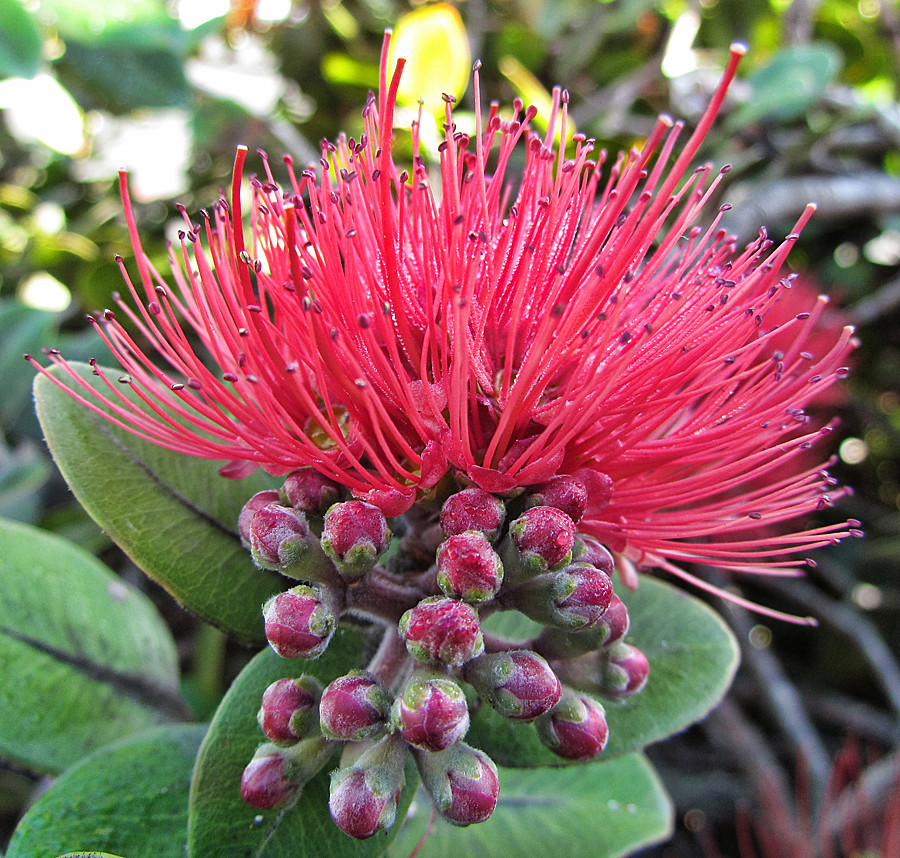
x,y
386,325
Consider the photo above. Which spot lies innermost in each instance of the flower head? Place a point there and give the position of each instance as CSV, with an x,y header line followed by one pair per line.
x,y
387,325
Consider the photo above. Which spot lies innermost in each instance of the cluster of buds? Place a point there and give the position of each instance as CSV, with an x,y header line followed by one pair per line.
x,y
449,571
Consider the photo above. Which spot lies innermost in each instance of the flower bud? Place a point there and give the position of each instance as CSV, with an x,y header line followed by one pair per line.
x,y
462,782
299,623
288,710
281,540
355,536
364,796
354,707
265,783
624,672
440,630
473,509
587,549
556,643
309,491
258,501
431,711
575,729
565,493
573,598
520,685
539,540
468,567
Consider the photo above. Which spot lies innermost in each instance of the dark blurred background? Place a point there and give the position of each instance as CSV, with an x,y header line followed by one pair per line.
x,y
168,89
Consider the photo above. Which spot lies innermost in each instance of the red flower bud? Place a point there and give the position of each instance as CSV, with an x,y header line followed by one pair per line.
x,y
288,708
354,707
565,493
299,623
258,501
364,796
265,783
473,509
590,550
613,626
431,712
625,671
468,568
309,491
575,729
574,598
279,536
462,783
440,630
542,538
355,536
520,685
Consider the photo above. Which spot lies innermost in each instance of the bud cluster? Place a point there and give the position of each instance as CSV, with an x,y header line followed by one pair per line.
x,y
445,574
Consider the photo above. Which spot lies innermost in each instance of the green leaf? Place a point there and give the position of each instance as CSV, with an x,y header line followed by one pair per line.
x,y
793,81
601,811
85,658
121,78
89,855
692,655
130,799
127,23
172,514
220,823
23,471
20,41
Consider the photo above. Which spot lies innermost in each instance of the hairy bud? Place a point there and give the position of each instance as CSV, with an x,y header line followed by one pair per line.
x,y
431,711
539,540
473,509
299,623
624,671
462,782
355,536
354,707
575,729
288,710
309,491
444,631
469,568
565,493
258,501
520,685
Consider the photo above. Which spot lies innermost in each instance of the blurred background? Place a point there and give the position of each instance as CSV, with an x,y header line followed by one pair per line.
x,y
806,745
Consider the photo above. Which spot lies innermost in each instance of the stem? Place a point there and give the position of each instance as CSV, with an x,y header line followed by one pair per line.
x,y
391,662
380,596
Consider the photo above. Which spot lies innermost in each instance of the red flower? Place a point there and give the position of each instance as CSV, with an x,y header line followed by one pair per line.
x,y
385,331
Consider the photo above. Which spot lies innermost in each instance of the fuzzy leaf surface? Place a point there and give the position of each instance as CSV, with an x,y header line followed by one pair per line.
x,y
174,515
85,658
601,811
130,798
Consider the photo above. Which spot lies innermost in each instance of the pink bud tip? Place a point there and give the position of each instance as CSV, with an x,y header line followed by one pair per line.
x,y
354,707
575,729
355,536
567,494
287,709
264,783
544,537
468,567
298,624
440,630
431,713
626,671
309,491
473,509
